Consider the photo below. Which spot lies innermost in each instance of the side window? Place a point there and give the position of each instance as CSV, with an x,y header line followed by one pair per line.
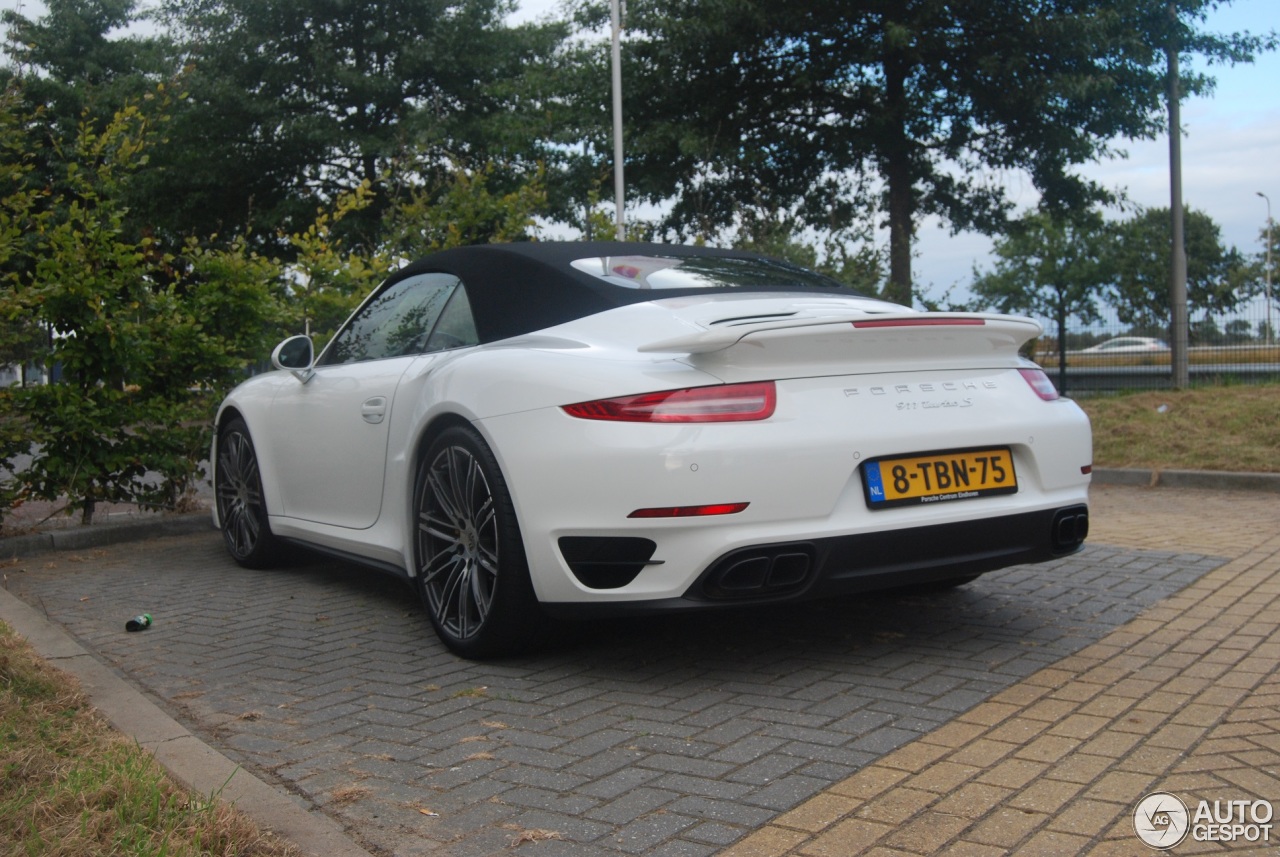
x,y
456,327
396,322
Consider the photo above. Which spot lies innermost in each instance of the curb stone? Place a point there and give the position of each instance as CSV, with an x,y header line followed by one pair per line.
x,y
80,538
1214,480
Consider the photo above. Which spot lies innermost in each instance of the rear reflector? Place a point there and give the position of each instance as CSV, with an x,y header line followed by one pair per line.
x,y
1040,382
720,404
690,511
921,322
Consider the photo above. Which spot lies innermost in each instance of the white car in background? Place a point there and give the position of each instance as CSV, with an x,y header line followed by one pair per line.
x,y
1127,345
531,431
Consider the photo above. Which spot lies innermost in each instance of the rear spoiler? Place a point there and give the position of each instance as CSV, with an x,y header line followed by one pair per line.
x,y
1003,331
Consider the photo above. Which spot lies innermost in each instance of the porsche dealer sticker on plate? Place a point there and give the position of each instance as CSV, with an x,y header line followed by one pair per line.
x,y
937,477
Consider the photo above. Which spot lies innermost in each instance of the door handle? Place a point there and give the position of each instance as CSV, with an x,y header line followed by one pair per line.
x,y
374,410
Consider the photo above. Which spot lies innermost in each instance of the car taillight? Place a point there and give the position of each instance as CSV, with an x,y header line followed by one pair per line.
x,y
721,404
1040,382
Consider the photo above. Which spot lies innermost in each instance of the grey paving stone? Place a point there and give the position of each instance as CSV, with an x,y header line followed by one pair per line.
x,y
603,765
715,833
620,782
784,793
644,834
685,732
558,781
574,805
748,748
767,768
682,848
633,804
721,810
572,828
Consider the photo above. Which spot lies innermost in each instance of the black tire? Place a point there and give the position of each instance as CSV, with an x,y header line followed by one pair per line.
x,y
470,568
242,509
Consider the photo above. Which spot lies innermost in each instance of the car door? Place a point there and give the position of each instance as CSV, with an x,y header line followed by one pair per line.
x,y
329,434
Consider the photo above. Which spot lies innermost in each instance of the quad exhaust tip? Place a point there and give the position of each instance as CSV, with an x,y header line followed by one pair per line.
x,y
1070,529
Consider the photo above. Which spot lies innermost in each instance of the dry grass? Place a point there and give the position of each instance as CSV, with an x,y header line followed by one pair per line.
x,y
72,787
1208,428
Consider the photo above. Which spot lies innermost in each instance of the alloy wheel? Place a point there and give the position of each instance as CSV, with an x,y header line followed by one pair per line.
x,y
457,533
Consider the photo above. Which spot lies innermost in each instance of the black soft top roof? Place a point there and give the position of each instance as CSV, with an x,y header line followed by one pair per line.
x,y
516,289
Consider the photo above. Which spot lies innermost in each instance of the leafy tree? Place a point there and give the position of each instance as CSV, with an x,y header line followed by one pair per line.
x,y
327,279
78,63
1206,332
21,340
300,101
18,201
465,207
1238,331
1264,257
783,237
144,341
1218,277
89,286
898,108
1050,267
70,61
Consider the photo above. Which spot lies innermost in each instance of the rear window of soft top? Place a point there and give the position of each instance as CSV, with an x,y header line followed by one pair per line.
x,y
701,272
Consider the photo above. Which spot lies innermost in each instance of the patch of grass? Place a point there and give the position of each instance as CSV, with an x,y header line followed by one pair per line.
x,y
70,786
1233,428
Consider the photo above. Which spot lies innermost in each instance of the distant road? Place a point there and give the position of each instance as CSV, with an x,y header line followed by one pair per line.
x,y
1102,378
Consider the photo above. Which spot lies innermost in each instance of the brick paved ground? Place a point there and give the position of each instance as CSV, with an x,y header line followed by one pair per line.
x,y
1183,699
1029,710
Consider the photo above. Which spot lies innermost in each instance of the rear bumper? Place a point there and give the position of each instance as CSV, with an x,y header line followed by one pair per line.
x,y
867,562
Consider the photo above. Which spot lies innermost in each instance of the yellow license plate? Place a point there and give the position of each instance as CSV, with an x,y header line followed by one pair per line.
x,y
938,477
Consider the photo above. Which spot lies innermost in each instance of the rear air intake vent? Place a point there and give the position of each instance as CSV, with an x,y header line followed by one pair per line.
x,y
604,562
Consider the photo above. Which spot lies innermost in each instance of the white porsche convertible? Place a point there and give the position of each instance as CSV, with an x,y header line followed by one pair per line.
x,y
532,431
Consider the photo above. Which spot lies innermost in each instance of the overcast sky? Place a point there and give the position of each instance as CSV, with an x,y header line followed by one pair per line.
x,y
1230,152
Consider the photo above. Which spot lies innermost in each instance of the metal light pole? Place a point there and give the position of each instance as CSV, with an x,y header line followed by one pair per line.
x,y
1179,337
1270,330
618,193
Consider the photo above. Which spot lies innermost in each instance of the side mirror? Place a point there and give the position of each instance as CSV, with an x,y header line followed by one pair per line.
x,y
297,354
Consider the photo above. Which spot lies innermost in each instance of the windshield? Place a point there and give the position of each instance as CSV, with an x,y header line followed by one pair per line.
x,y
701,272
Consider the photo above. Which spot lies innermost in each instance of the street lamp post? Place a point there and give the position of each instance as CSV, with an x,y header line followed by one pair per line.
x,y
620,227
1270,330
1178,328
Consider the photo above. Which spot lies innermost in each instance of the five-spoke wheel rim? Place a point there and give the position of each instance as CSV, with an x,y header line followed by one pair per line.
x,y
457,541
239,493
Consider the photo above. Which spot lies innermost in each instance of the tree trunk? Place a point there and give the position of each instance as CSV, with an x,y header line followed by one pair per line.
x,y
1062,347
898,175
